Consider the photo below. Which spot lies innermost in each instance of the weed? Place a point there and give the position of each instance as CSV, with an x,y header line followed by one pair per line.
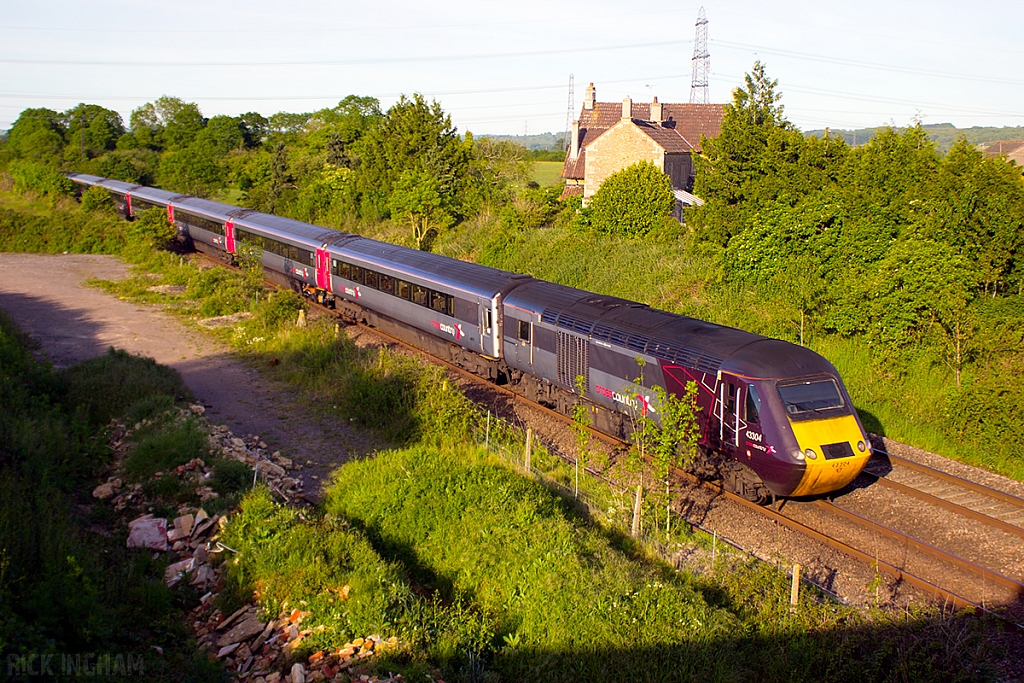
x,y
164,449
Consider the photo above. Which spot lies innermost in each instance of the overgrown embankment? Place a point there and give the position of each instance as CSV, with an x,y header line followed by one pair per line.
x,y
69,588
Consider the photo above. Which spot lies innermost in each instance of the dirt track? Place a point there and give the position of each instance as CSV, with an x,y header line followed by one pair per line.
x,y
47,297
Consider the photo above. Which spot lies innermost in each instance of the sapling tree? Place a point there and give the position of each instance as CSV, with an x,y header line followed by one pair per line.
x,y
665,431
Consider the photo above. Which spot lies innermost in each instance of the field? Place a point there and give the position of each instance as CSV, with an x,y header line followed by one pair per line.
x,y
547,173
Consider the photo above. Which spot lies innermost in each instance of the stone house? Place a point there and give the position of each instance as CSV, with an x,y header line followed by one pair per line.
x,y
609,136
1012,150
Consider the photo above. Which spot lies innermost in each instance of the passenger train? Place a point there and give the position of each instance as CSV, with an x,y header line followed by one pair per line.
x,y
775,418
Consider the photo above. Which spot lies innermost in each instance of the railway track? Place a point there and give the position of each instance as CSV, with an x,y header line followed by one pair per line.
x,y
1007,512
969,499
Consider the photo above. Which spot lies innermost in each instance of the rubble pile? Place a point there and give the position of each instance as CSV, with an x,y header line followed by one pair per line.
x,y
251,647
265,651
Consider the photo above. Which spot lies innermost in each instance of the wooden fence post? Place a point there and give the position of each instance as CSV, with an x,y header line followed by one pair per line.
x,y
794,591
529,447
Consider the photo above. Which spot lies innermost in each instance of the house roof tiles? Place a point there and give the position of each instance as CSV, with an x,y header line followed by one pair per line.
x,y
687,121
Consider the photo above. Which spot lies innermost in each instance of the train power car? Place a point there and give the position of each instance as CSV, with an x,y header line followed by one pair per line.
x,y
775,418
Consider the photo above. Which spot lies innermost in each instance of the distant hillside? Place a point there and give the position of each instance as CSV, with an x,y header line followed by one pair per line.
x,y
540,141
944,134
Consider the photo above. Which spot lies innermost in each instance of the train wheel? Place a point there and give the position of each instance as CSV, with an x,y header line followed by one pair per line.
x,y
745,483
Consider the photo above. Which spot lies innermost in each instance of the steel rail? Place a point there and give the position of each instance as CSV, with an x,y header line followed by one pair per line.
x,y
953,479
949,505
986,574
947,596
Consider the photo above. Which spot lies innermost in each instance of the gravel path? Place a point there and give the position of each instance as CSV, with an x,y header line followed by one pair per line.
x,y
47,297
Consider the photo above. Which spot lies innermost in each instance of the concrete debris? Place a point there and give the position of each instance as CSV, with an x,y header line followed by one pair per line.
x,y
108,490
148,533
251,646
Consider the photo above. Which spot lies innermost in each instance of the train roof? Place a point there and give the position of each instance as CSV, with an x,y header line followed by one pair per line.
x,y
287,228
423,265
84,178
210,209
96,181
767,358
669,336
155,196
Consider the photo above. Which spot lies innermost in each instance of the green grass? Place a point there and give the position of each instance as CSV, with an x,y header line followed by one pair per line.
x,y
547,173
66,587
489,576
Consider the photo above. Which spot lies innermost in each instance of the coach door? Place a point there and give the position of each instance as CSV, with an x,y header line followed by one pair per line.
x,y
229,237
729,394
323,268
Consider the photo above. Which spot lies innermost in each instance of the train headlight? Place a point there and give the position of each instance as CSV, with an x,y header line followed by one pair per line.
x,y
861,446
811,455
798,455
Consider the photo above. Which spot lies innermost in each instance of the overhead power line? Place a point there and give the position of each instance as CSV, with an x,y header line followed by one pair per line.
x,y
343,62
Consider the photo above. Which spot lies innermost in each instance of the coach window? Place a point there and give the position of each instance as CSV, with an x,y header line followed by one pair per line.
x,y
387,284
371,279
419,295
402,289
524,331
753,404
442,303
357,274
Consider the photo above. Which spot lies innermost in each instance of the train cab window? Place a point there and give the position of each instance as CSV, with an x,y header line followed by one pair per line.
x,y
402,289
524,331
370,278
753,404
807,398
419,295
387,285
357,274
731,405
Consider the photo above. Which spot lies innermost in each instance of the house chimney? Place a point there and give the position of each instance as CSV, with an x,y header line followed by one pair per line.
x,y
627,108
656,111
574,149
589,98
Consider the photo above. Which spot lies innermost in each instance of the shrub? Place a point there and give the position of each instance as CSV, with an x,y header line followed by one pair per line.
x,y
632,201
106,386
36,177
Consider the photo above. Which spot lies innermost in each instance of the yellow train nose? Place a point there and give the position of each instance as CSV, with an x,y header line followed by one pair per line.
x,y
836,444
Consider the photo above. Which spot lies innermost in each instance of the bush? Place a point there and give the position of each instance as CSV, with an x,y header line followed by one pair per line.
x,y
632,201
163,449
106,386
36,177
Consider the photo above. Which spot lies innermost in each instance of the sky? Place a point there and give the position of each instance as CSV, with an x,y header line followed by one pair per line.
x,y
505,68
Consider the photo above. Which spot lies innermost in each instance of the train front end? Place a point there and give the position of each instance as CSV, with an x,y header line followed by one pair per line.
x,y
823,433
800,433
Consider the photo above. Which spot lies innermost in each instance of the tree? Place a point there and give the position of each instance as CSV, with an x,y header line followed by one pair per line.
x,y
167,123
417,199
37,134
633,201
414,137
665,429
740,167
922,288
92,130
